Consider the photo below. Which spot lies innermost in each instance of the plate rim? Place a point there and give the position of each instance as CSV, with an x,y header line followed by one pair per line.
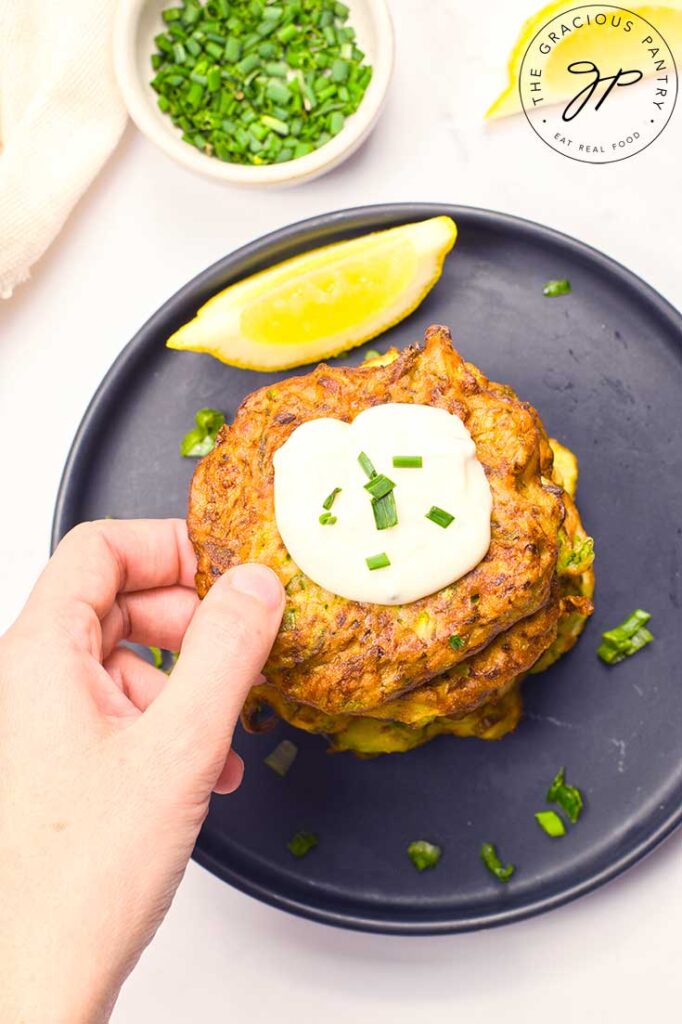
x,y
253,250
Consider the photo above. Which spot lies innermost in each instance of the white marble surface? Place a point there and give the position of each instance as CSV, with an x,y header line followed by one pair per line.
x,y
142,231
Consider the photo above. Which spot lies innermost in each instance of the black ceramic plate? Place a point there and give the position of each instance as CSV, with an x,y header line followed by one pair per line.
x,y
604,367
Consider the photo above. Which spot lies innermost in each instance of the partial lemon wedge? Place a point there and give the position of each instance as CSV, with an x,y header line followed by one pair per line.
x,y
667,18
323,302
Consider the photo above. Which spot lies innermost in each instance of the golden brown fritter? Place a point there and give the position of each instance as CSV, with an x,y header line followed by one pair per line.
x,y
368,737
342,656
481,696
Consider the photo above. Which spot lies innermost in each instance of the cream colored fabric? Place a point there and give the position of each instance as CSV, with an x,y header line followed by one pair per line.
x,y
60,118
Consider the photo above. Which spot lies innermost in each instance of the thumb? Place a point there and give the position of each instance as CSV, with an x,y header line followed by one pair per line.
x,y
223,651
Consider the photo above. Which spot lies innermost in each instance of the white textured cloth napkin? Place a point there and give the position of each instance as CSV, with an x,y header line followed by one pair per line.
x,y
60,118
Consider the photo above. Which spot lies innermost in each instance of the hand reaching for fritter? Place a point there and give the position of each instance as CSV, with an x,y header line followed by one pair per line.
x,y
107,764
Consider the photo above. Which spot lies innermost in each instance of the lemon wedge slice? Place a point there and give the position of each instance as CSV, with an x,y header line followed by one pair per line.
x,y
323,302
667,18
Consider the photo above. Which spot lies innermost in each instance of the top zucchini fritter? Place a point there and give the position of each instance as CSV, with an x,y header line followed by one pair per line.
x,y
344,656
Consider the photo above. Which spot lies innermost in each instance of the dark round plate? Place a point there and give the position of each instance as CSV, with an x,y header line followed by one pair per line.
x,y
604,367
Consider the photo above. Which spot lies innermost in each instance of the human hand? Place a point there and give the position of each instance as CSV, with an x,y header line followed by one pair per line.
x,y
106,763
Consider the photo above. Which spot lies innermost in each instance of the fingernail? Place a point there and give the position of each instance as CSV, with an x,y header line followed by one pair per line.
x,y
257,581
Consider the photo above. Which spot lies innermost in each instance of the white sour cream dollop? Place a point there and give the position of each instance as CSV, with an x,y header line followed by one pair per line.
x,y
321,455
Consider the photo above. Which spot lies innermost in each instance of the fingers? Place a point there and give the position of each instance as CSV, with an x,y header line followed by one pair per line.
x,y
224,650
231,775
158,617
139,681
96,561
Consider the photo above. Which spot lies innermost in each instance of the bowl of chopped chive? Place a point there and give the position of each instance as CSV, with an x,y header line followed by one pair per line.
x,y
254,92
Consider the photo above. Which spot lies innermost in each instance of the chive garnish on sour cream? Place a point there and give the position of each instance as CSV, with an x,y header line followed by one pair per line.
x,y
407,461
366,464
379,486
330,499
439,516
494,865
380,561
327,519
385,512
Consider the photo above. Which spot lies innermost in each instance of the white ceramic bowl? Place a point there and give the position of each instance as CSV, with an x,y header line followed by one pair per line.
x,y
138,21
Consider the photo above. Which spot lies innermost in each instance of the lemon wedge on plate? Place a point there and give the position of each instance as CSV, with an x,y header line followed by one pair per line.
x,y
323,302
667,18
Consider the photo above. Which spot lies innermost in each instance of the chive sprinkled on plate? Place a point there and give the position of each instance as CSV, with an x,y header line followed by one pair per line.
x,y
554,288
494,865
456,642
424,854
282,757
378,561
439,516
408,461
624,640
302,843
366,464
327,519
551,823
568,797
385,512
201,439
379,486
331,498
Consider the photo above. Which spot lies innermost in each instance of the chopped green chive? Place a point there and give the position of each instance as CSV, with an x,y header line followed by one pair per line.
x,y
282,757
424,854
378,561
551,823
274,122
407,461
223,68
385,512
366,464
624,640
302,843
568,797
456,642
331,498
157,656
494,864
439,516
371,353
379,486
554,288
327,519
201,439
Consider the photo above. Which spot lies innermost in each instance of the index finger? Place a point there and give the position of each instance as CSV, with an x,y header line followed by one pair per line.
x,y
96,561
